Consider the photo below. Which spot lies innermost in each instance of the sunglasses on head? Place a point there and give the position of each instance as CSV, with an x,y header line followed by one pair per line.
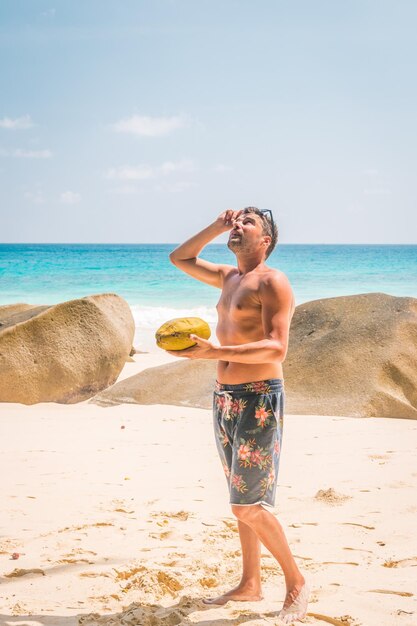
x,y
268,214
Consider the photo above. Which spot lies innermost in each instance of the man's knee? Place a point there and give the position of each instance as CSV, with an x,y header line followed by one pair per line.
x,y
247,513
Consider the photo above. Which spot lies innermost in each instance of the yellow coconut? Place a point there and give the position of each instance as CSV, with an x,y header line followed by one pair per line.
x,y
175,334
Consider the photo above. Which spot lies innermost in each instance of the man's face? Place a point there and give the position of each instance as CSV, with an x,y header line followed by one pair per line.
x,y
247,234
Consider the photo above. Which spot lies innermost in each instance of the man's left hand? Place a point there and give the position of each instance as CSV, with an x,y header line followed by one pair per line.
x,y
203,350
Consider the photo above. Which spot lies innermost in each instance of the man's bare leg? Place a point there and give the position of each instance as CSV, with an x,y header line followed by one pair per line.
x,y
256,525
270,532
249,588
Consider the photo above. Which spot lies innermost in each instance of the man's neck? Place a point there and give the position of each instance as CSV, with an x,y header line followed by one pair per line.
x,y
248,263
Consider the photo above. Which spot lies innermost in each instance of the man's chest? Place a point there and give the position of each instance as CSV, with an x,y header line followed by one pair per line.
x,y
238,301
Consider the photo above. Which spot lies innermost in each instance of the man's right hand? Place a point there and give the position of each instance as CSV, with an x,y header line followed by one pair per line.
x,y
225,220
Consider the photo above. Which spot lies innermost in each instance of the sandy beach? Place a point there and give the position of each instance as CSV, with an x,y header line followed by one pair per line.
x,y
120,516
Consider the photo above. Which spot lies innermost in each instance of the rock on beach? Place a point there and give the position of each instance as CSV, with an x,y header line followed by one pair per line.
x,y
63,353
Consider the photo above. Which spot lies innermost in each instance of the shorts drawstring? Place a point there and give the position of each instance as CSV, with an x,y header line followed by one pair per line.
x,y
228,399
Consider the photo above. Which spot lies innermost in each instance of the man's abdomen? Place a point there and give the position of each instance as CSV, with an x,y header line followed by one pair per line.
x,y
231,373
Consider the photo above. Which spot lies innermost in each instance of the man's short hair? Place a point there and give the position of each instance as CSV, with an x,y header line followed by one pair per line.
x,y
268,228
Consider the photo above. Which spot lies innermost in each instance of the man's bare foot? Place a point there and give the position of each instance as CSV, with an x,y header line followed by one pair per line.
x,y
238,594
295,603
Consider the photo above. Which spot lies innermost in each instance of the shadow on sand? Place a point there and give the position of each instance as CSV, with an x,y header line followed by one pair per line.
x,y
147,615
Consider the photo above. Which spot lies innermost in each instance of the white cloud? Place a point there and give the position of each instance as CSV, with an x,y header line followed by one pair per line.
x,y
129,172
26,154
18,123
36,196
186,165
32,154
145,172
221,168
49,13
147,126
69,197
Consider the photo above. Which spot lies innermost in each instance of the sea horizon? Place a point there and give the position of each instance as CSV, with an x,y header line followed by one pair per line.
x,y
177,243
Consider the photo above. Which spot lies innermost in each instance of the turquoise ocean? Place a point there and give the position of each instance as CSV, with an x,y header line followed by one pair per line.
x,y
157,291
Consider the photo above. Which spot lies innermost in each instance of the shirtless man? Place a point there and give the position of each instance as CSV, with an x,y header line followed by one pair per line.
x,y
254,315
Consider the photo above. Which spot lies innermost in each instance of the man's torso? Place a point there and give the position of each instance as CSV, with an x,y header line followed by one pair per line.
x,y
239,312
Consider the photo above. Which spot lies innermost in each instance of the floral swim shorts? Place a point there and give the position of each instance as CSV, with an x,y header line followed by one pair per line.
x,y
248,424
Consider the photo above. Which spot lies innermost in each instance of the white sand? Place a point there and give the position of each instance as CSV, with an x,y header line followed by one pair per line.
x,y
111,517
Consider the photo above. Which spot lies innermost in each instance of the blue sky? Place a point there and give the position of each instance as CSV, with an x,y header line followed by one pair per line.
x,y
142,121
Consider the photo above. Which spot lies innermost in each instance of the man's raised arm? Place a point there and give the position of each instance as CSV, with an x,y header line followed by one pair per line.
x,y
185,257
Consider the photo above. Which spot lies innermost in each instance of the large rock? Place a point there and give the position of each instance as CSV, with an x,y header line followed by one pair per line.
x,y
353,355
350,355
186,383
63,353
